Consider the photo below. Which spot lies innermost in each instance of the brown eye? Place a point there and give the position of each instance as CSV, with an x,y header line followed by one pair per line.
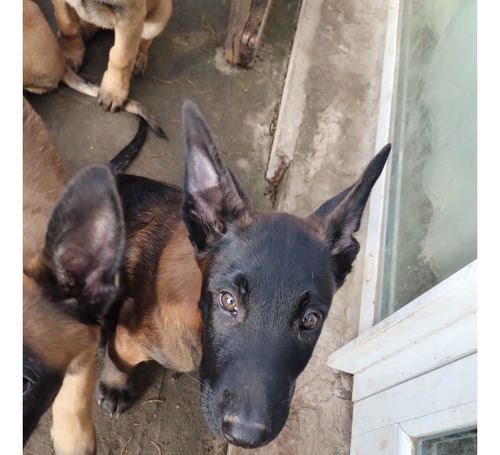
x,y
228,302
309,321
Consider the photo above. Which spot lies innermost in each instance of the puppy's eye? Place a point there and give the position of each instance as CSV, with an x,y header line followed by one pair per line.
x,y
27,384
309,321
228,302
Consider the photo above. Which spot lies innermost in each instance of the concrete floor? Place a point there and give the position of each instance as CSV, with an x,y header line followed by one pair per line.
x,y
308,106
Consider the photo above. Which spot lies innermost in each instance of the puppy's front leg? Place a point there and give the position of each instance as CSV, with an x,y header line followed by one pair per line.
x,y
73,429
115,84
114,389
155,22
70,34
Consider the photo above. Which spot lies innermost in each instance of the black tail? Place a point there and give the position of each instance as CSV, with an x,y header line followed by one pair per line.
x,y
121,161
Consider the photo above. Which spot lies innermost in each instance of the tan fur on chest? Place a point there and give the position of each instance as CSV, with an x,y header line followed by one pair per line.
x,y
179,277
110,14
167,329
178,289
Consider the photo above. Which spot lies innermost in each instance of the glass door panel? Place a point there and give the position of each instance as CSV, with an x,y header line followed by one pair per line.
x,y
430,219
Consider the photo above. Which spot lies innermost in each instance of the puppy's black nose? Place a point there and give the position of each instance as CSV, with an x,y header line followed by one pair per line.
x,y
245,432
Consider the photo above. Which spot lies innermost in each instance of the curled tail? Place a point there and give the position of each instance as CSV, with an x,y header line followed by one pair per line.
x,y
77,83
121,161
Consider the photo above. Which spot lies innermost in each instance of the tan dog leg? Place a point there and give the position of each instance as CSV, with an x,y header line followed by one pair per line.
x,y
70,34
116,80
130,53
155,22
73,429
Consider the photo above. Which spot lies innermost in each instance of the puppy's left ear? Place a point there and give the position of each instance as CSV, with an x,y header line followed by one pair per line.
x,y
341,216
212,197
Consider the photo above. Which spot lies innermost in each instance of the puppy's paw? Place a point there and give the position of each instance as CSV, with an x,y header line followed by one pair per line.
x,y
113,91
111,101
141,63
71,435
112,399
71,444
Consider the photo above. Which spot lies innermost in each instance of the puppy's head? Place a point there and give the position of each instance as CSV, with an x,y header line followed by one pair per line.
x,y
68,287
268,283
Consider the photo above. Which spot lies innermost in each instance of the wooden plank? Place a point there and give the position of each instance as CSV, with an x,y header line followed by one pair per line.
x,y
247,19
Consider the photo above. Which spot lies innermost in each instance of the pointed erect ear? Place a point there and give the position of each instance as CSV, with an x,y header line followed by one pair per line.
x,y
341,216
212,196
84,244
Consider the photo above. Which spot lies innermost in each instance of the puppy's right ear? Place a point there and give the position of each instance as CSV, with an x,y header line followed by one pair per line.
x,y
212,197
84,246
341,216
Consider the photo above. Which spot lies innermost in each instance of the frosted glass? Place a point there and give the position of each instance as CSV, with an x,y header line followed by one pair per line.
x,y
430,227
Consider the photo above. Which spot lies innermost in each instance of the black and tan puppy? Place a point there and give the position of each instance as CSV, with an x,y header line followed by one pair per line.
x,y
135,23
73,245
263,281
44,65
